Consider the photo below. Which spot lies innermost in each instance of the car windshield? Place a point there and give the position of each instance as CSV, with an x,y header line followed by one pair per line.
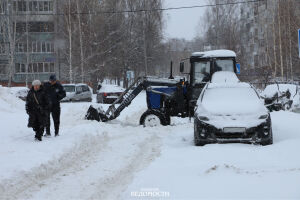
x,y
231,100
224,65
69,88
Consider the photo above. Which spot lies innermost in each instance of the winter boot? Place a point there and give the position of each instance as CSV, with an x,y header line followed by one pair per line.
x,y
48,134
38,138
56,132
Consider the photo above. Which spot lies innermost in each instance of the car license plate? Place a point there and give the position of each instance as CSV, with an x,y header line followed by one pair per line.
x,y
234,130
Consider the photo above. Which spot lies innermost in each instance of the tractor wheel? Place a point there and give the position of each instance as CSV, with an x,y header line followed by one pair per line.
x,y
153,118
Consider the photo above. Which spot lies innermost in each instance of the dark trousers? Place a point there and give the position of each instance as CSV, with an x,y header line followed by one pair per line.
x,y
36,121
55,112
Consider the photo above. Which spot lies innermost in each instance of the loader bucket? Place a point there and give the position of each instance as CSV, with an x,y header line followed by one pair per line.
x,y
96,114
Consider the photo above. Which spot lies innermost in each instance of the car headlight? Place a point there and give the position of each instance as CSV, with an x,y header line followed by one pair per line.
x,y
263,116
203,118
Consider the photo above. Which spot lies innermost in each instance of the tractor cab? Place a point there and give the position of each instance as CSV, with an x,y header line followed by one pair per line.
x,y
203,65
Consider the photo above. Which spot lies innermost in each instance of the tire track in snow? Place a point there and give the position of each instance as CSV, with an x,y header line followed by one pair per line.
x,y
78,160
15,187
113,186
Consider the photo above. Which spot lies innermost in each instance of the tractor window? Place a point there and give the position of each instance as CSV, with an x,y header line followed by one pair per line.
x,y
224,65
202,72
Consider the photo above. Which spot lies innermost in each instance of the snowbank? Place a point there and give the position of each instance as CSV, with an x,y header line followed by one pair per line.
x,y
9,101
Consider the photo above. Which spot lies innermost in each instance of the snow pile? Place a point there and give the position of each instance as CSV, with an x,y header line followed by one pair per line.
x,y
9,101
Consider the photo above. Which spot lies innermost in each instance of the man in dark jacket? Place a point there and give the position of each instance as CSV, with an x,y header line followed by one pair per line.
x,y
37,105
55,92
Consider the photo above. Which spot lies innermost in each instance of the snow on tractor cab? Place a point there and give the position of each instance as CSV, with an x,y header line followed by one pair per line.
x,y
170,97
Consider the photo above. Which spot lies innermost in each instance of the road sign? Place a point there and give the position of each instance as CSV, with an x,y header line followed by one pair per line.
x,y
299,41
130,75
238,68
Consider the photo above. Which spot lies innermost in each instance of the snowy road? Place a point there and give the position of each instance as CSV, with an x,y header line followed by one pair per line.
x,y
93,160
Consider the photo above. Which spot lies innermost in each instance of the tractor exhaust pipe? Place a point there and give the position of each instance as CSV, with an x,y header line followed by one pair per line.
x,y
171,71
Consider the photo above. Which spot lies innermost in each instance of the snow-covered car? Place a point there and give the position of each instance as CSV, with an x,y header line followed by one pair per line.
x,y
231,112
107,94
281,97
77,92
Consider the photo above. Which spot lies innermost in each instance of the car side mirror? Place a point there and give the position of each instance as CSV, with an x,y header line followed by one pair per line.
x,y
182,67
238,68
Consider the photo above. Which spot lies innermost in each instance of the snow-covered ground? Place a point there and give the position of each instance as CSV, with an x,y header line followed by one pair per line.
x,y
120,159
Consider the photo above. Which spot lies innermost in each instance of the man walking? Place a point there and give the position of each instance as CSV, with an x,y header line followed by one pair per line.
x,y
37,105
56,92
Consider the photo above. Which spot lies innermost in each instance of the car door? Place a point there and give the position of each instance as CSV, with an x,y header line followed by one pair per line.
x,y
78,93
84,93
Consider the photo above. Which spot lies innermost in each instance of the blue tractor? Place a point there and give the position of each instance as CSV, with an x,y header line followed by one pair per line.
x,y
170,97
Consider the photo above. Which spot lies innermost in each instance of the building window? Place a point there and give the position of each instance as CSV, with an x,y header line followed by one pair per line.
x,y
20,6
2,7
21,27
20,68
41,27
42,47
40,6
42,67
3,69
21,48
35,27
3,49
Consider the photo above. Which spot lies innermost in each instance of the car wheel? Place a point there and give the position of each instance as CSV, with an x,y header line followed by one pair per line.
x,y
199,143
268,141
286,107
153,118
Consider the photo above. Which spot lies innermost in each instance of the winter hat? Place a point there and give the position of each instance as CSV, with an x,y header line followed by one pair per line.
x,y
52,77
36,82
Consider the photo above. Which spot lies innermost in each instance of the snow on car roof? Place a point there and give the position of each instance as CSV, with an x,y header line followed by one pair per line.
x,y
68,84
72,84
216,53
224,77
111,88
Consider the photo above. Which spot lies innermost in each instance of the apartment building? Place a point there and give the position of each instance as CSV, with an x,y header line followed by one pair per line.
x,y
260,27
35,53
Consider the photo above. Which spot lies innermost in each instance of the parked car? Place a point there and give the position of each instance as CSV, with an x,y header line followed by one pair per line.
x,y
281,97
107,94
77,92
231,111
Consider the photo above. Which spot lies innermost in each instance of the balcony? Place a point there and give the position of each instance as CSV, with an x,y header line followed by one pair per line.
x,y
21,77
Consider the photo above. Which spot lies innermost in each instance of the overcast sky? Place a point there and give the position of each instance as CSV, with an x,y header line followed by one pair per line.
x,y
183,23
